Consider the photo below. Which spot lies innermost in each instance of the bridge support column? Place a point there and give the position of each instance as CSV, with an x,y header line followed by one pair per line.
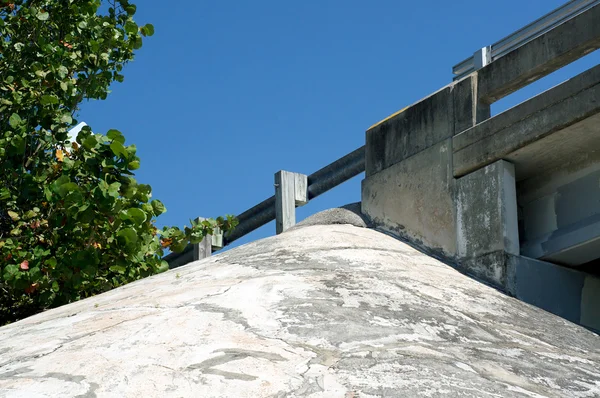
x,y
487,231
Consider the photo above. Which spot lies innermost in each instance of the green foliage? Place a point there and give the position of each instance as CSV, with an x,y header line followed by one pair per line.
x,y
73,220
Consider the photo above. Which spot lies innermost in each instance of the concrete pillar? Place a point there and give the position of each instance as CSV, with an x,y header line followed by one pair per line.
x,y
487,232
291,191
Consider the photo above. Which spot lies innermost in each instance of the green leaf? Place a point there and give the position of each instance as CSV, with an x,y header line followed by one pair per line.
x,y
49,99
147,30
137,215
67,188
164,266
158,206
10,271
66,118
19,144
13,215
14,120
130,9
118,269
118,149
137,43
128,236
90,142
43,16
134,165
62,71
116,136
55,287
130,151
131,27
178,247
51,262
113,189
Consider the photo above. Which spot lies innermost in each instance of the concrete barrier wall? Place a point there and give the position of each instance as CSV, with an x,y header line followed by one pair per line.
x,y
409,188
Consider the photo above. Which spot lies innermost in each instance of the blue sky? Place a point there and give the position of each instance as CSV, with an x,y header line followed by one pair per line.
x,y
226,93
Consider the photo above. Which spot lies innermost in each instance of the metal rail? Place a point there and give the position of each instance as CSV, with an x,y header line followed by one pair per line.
x,y
319,182
522,36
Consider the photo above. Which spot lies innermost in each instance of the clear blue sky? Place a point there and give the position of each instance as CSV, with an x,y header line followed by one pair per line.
x,y
226,93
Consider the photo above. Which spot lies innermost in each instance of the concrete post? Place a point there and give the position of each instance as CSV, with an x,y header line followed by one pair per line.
x,y
203,249
209,244
291,191
487,223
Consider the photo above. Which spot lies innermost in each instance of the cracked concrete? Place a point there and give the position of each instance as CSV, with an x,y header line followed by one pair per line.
x,y
319,311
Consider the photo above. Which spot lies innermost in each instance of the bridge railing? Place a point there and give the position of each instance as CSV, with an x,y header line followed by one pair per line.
x,y
521,37
291,190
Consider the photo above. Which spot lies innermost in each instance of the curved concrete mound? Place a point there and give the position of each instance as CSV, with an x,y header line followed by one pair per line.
x,y
349,214
320,311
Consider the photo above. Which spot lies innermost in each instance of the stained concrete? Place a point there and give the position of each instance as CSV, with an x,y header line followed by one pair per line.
x,y
439,116
560,46
414,199
487,218
414,129
319,311
569,107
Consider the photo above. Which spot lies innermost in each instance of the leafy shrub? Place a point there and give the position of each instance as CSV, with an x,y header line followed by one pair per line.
x,y
73,220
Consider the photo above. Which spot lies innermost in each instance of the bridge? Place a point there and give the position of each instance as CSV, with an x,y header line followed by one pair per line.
x,y
511,199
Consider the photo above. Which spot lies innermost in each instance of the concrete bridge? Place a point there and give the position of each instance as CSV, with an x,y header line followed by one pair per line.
x,y
512,199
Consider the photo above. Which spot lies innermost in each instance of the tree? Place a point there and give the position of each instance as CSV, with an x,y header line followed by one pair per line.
x,y
73,220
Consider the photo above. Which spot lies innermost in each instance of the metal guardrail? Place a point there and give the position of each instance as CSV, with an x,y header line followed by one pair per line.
x,y
522,36
319,182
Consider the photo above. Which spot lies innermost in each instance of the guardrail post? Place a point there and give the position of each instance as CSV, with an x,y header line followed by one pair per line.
x,y
203,249
209,244
482,57
291,191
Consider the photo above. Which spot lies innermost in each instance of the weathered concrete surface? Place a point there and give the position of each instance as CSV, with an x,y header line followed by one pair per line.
x,y
487,223
349,214
320,311
540,57
412,130
569,107
414,199
486,212
433,119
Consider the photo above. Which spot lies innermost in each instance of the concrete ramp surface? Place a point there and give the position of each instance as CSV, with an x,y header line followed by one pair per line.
x,y
318,311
